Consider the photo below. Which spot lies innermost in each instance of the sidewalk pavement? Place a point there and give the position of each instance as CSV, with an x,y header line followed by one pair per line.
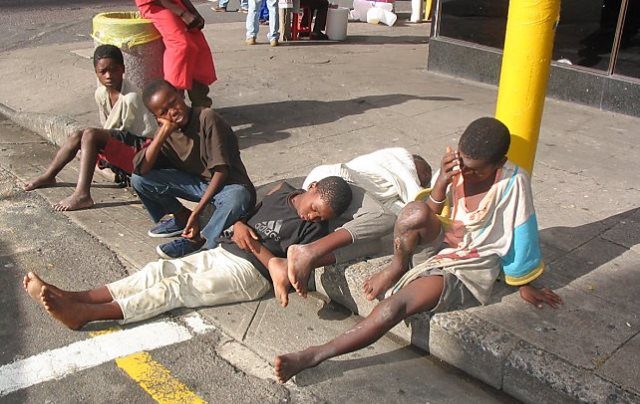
x,y
300,105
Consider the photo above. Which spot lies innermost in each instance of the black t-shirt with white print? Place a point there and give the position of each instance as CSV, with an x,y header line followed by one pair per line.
x,y
278,226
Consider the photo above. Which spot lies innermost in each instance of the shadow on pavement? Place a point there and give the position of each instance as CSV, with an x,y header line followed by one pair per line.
x,y
334,369
100,205
602,241
270,122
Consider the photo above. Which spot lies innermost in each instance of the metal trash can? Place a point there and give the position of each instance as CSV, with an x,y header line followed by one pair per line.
x,y
140,43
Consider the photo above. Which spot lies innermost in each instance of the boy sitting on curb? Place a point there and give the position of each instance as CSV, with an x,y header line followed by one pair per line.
x,y
238,270
126,124
195,156
492,228
390,178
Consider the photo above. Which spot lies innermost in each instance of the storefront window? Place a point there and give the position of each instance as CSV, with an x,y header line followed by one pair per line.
x,y
584,37
479,21
585,34
628,60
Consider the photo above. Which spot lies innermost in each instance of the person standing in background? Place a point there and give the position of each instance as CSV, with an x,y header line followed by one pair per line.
x,y
187,61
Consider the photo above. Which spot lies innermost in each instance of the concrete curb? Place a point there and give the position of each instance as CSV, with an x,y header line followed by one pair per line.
x,y
53,128
478,347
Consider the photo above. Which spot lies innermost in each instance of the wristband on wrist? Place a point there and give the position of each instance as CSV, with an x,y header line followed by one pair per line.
x,y
437,202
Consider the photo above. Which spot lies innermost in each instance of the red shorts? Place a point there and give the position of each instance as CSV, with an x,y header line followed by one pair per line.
x,y
120,149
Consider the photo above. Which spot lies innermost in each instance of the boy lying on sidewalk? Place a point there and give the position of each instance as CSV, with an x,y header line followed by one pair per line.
x,y
126,124
492,228
238,270
390,178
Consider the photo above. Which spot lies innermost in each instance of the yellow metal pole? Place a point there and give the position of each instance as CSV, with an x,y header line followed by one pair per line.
x,y
525,70
427,10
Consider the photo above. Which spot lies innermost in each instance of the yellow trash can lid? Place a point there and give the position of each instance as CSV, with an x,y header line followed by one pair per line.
x,y
123,29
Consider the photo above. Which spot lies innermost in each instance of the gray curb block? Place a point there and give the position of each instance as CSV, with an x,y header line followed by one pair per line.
x,y
53,128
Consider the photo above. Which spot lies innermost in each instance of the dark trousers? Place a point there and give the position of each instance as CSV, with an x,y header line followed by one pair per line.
x,y
319,7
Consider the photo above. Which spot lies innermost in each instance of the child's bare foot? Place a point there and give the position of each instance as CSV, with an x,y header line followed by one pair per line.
x,y
33,285
67,311
289,365
281,285
299,265
378,283
74,202
38,182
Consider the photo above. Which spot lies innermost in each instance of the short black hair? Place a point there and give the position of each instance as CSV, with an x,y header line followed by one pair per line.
x,y
427,167
336,192
152,88
485,139
108,52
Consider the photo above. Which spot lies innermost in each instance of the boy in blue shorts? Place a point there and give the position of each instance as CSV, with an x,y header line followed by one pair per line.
x,y
441,265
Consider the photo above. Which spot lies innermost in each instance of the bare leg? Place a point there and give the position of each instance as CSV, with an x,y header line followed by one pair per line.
x,y
416,224
301,259
63,156
278,271
76,314
421,294
33,285
93,140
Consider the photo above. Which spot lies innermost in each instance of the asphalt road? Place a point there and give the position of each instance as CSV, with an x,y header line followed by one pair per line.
x,y
41,22
35,238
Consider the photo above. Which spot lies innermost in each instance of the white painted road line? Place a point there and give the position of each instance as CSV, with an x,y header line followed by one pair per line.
x,y
58,363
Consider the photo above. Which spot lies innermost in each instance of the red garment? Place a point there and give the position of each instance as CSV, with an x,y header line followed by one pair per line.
x,y
120,150
187,56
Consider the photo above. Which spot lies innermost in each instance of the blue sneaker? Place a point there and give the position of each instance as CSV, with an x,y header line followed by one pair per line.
x,y
178,248
168,228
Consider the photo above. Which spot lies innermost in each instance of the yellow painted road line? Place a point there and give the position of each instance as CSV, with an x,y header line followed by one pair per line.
x,y
156,380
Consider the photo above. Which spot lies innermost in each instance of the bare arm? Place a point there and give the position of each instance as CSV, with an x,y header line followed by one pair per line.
x,y
152,152
449,167
192,229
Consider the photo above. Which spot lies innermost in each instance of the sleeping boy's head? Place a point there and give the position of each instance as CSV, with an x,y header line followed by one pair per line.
x,y
108,63
483,149
164,101
423,169
324,200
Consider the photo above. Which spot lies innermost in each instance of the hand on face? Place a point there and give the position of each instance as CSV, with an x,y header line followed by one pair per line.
x,y
449,166
169,108
167,124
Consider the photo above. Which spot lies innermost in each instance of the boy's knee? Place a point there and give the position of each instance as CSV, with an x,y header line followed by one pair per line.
x,y
90,135
391,312
76,135
414,214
